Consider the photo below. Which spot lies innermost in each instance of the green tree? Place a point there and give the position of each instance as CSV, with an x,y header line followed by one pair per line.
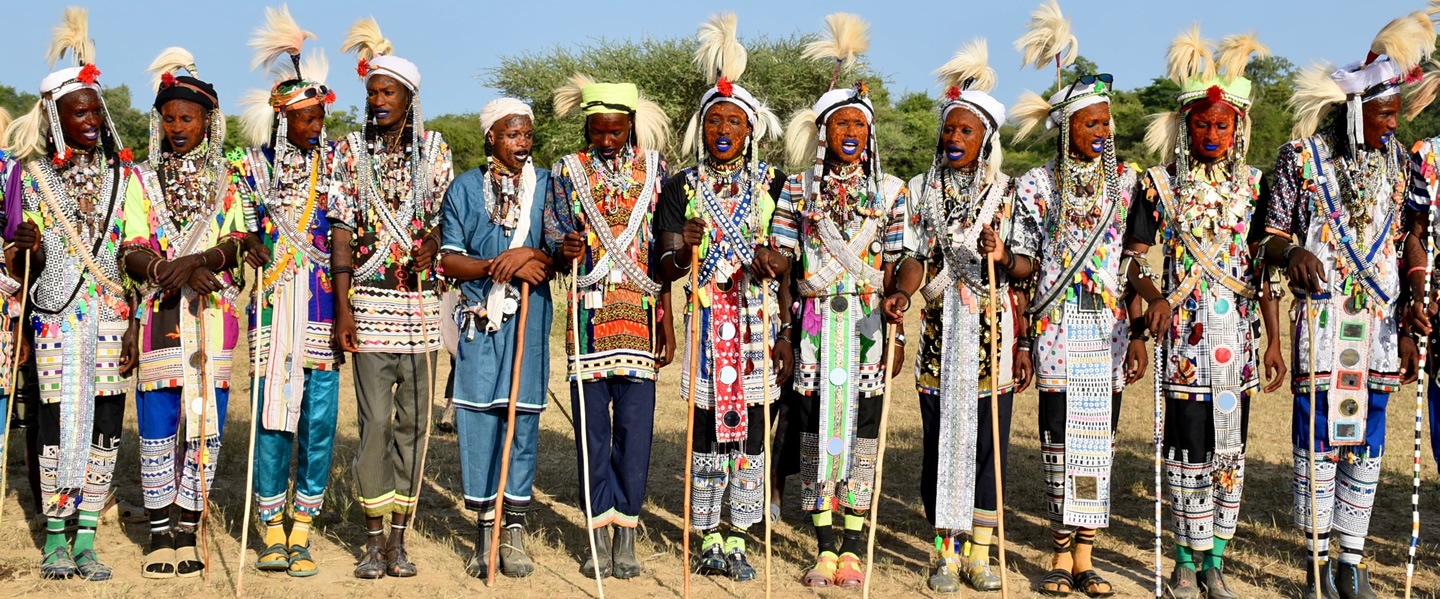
x,y
462,132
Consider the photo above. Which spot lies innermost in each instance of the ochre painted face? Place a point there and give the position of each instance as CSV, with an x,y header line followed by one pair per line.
x,y
81,117
510,140
847,135
608,133
1212,131
962,138
726,128
1090,131
389,101
184,124
1381,117
305,125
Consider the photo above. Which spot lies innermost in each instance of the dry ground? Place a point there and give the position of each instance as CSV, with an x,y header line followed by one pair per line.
x,y
1266,561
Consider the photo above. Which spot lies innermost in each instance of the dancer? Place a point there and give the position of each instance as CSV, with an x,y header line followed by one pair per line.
x,y
283,183
958,217
616,179
385,233
843,223
1336,218
76,178
493,220
1209,304
1069,220
719,210
180,246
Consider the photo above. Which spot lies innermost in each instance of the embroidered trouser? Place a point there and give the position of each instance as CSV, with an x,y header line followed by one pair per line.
x,y
855,491
1052,413
161,481
1204,493
482,439
312,443
391,390
738,466
985,503
100,468
1346,478
620,418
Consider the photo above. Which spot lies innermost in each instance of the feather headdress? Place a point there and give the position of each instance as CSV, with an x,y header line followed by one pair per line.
x,y
1047,38
847,36
257,117
567,97
72,37
651,126
969,69
1233,54
280,37
298,83
1205,75
720,54
721,59
170,60
1316,95
1190,57
968,80
4,124
190,88
366,40
1029,113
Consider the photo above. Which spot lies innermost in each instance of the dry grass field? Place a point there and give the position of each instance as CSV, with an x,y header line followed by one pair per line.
x,y
1267,558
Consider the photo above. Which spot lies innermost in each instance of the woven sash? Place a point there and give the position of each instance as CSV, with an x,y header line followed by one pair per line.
x,y
1057,290
617,249
1363,266
964,256
1088,389
959,414
1206,265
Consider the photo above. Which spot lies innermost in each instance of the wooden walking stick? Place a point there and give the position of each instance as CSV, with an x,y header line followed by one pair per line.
x,y
417,477
765,381
690,415
509,430
584,433
995,333
254,426
1420,394
1310,335
202,453
1159,461
880,454
19,338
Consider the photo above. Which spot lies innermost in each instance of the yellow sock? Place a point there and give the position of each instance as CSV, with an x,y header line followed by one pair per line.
x,y
275,531
980,539
300,531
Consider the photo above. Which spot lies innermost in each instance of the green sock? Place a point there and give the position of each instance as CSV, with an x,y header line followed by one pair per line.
x,y
85,530
1215,557
713,539
734,544
54,534
1184,557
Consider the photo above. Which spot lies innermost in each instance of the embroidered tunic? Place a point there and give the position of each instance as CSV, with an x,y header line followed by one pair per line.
x,y
293,327
376,200
618,295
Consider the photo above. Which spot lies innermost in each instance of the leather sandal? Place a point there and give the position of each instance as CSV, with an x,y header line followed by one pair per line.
x,y
273,559
301,555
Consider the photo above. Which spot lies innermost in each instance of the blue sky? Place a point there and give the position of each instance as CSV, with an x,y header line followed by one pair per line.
x,y
453,42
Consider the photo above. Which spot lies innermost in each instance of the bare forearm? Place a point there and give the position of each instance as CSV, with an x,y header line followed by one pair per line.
x,y
465,268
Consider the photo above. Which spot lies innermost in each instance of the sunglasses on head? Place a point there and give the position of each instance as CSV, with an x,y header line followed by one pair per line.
x,y
1086,81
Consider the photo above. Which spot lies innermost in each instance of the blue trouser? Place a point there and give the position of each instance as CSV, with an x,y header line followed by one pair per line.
x,y
619,447
162,484
482,438
315,433
1374,423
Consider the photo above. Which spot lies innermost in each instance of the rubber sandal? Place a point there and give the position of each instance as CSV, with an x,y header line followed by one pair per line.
x,y
273,559
188,563
159,564
1090,579
850,574
57,564
822,574
1059,578
88,567
300,554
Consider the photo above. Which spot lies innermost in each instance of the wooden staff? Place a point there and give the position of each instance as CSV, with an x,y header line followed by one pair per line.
x,y
995,333
1310,450
1420,393
417,477
14,376
202,453
509,430
690,414
769,466
584,433
1159,460
880,453
254,426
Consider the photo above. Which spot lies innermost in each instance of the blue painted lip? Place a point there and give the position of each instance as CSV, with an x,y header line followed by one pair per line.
x,y
850,147
1211,147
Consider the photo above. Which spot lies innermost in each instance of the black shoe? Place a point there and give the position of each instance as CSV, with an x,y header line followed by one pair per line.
x,y
1212,582
479,564
1352,581
712,561
397,562
622,554
372,565
1325,588
515,562
602,554
740,568
1182,584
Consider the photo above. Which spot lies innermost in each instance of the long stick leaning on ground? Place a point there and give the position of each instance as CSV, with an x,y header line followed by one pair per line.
x,y
1310,337
202,453
241,566
995,334
19,339
417,477
768,360
1159,461
509,431
1420,392
891,348
584,427
690,414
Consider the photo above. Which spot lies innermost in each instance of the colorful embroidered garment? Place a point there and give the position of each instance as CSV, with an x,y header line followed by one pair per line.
x,y
617,295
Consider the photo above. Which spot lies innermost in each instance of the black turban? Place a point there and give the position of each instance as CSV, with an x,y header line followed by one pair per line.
x,y
186,88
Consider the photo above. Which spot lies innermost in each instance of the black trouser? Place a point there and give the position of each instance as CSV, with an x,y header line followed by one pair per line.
x,y
985,504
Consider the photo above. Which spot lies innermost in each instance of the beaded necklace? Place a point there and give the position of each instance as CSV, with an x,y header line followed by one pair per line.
x,y
1211,202
189,184
614,182
1362,189
1081,192
844,190
83,178
502,203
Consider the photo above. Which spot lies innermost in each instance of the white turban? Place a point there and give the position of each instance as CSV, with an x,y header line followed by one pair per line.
x,y
1078,99
63,82
500,108
398,68
982,101
1378,79
843,97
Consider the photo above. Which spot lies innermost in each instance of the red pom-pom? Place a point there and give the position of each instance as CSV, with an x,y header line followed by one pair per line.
x,y
126,155
167,80
1215,94
58,160
1414,76
330,98
952,93
89,74
362,68
725,87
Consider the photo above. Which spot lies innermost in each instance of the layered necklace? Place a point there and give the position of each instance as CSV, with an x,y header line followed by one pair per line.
x,y
84,178
189,182
502,201
390,168
615,182
1084,186
1367,182
1211,202
845,189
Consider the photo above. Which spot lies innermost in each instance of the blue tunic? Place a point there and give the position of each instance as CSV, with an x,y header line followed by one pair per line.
x,y
484,363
